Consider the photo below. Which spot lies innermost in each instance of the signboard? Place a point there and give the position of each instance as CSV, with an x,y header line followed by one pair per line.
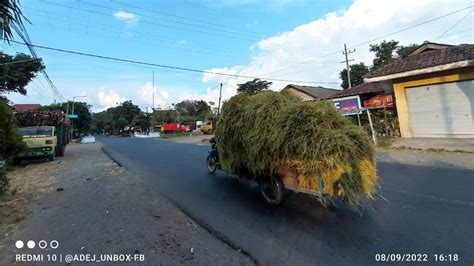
x,y
348,105
73,116
379,101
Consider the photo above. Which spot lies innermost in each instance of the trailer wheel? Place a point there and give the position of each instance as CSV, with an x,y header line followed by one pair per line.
x,y
272,190
211,163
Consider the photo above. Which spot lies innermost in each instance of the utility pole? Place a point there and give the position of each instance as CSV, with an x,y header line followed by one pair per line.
x,y
219,105
72,113
153,90
346,52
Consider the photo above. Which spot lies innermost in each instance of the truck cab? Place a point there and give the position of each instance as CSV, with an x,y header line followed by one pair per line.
x,y
207,127
41,142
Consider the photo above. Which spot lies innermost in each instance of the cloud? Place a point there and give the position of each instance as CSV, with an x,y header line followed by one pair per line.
x,y
363,20
162,97
109,98
128,18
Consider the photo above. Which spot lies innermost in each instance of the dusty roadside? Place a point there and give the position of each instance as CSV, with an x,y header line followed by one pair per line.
x,y
103,209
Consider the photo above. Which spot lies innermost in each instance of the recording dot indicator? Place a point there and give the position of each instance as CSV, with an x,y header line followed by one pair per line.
x,y
19,244
31,244
54,244
42,244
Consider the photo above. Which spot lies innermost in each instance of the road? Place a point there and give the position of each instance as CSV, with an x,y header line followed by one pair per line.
x,y
421,210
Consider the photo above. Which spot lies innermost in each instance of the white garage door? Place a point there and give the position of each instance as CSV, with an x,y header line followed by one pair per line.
x,y
442,110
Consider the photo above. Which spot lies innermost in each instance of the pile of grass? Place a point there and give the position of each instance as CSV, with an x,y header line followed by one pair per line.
x,y
259,134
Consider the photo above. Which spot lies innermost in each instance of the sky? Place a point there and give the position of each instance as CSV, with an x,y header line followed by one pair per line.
x,y
299,41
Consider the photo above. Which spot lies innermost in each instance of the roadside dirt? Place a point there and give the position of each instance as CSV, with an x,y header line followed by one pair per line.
x,y
101,208
27,183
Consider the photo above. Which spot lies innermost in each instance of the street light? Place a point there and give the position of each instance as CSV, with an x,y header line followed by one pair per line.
x,y
72,121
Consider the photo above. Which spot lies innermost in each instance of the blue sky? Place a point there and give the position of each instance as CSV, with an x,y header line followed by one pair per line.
x,y
247,37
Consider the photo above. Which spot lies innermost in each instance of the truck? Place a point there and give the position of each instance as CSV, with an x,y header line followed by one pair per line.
x,y
174,127
45,133
207,127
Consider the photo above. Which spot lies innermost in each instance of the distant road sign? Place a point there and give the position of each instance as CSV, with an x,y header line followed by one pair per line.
x,y
348,105
73,116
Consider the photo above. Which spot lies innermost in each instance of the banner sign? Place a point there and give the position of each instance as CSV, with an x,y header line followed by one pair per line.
x,y
379,101
348,105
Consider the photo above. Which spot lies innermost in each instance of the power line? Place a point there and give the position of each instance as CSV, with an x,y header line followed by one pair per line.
x,y
26,38
454,25
370,41
166,66
194,49
256,34
171,26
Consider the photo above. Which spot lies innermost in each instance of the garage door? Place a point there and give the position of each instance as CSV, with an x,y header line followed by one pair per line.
x,y
442,110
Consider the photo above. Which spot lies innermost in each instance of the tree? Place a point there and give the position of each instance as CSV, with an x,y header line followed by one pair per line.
x,y
11,141
115,118
164,116
17,71
84,121
384,52
141,121
357,75
127,110
10,17
254,86
404,51
192,110
388,51
102,122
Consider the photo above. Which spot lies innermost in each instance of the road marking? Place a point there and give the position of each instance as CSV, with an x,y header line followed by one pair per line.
x,y
458,202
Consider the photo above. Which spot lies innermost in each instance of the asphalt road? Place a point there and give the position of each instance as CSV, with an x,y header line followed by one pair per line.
x,y
422,210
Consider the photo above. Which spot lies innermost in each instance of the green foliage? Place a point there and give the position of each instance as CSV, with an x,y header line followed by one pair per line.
x,y
258,135
15,76
404,51
10,16
254,86
388,51
384,52
141,121
82,109
102,122
11,141
357,75
115,119
192,110
127,110
164,116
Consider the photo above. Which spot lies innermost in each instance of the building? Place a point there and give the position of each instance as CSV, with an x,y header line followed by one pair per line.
x,y
434,90
309,93
26,107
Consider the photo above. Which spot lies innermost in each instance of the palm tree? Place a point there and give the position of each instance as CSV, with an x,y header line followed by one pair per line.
x,y
10,16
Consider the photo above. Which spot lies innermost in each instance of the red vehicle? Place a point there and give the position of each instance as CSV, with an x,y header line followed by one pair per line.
x,y
174,127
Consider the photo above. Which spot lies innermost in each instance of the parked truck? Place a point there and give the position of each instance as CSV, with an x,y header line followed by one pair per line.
x,y
46,134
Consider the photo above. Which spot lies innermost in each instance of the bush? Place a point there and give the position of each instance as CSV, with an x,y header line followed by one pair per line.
x,y
11,141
